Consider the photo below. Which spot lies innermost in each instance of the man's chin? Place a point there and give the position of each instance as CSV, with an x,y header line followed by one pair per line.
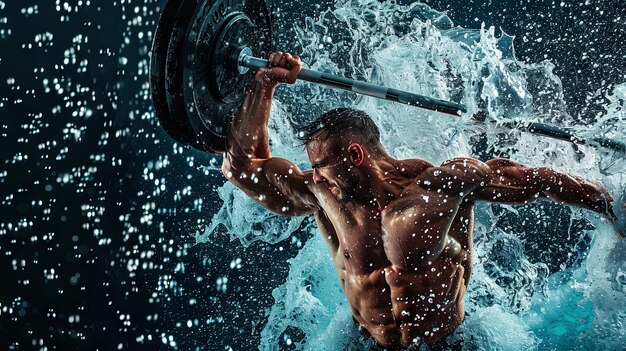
x,y
338,193
343,195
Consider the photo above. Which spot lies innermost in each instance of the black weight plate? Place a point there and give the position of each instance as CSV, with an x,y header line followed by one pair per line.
x,y
207,18
226,82
176,125
173,70
212,94
217,91
194,93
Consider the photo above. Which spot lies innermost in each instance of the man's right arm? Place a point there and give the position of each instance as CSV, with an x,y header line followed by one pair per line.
x,y
275,183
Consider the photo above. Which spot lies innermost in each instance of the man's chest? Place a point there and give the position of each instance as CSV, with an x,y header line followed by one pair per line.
x,y
359,237
405,235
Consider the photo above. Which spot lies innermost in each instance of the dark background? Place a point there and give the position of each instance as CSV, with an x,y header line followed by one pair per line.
x,y
79,205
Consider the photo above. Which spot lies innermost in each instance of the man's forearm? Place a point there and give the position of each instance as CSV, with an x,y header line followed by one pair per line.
x,y
576,191
248,135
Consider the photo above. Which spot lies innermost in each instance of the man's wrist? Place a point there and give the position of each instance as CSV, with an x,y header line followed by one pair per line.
x,y
265,80
604,206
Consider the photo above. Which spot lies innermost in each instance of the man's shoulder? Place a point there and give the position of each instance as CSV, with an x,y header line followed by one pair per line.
x,y
454,176
413,167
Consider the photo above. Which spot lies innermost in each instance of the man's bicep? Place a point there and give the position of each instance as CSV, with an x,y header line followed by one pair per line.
x,y
510,183
275,183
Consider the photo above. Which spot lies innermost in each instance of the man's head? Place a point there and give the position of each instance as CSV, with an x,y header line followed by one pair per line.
x,y
337,144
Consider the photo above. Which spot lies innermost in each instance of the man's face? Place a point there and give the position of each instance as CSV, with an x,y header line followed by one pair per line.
x,y
332,167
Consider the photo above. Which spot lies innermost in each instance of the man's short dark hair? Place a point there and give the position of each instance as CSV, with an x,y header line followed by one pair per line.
x,y
340,122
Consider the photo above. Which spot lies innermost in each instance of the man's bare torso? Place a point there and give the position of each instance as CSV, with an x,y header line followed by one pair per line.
x,y
404,268
401,243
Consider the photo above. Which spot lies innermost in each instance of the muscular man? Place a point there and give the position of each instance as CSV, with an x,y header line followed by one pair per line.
x,y
399,231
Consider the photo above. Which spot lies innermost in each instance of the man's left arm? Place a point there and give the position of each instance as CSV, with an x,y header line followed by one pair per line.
x,y
511,183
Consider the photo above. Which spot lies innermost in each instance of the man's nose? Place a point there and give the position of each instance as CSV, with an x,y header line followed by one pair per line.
x,y
317,178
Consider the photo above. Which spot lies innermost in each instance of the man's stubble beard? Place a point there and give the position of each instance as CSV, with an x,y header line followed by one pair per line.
x,y
349,190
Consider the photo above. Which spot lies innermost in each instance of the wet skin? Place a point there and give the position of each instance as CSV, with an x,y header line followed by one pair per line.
x,y
399,231
404,267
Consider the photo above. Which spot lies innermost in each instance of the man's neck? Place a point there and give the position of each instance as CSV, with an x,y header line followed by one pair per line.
x,y
382,181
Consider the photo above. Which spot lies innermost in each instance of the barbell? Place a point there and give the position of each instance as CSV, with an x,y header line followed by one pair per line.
x,y
200,70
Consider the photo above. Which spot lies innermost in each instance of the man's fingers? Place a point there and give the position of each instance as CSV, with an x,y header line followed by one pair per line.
x,y
283,61
287,59
293,60
275,58
283,67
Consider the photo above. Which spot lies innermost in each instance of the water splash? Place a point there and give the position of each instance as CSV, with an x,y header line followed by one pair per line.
x,y
513,303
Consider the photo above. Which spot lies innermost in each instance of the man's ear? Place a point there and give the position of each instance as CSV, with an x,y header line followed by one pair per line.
x,y
356,154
